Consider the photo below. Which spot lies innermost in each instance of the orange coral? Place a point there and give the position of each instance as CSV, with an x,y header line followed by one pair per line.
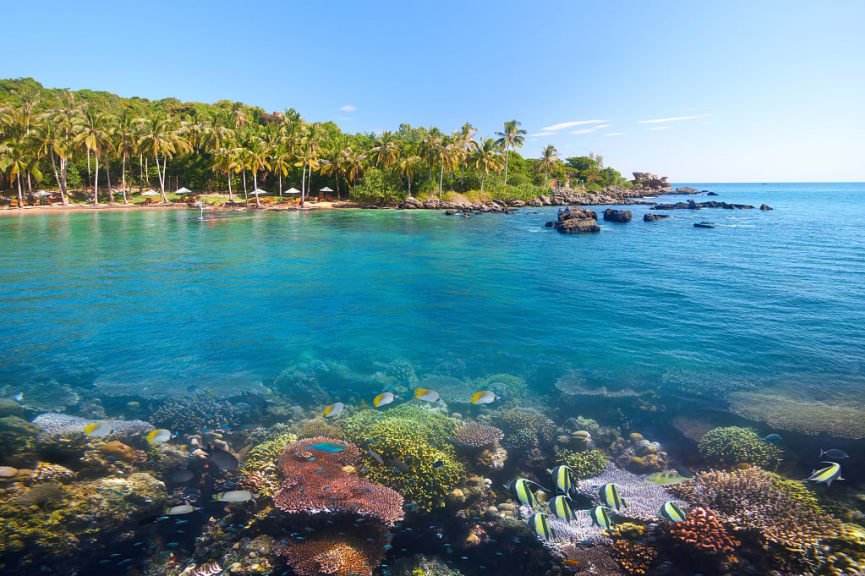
x,y
635,559
121,451
335,557
704,532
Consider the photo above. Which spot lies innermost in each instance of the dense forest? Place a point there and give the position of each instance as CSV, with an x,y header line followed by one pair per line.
x,y
88,145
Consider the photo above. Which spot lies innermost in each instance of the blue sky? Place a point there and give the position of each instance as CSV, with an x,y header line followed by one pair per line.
x,y
698,91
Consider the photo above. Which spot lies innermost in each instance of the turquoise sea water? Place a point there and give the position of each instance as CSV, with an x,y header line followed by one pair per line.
x,y
160,299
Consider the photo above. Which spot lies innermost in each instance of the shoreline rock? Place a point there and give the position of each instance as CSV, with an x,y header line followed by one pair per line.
x,y
692,205
573,220
621,216
654,217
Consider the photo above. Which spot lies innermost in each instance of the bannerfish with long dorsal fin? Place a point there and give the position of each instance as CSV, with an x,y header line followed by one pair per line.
x,y
563,478
609,494
827,474
159,435
538,523
601,517
333,410
562,509
671,511
383,399
484,397
234,496
426,395
523,491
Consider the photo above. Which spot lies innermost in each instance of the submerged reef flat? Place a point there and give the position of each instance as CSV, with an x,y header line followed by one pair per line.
x,y
579,480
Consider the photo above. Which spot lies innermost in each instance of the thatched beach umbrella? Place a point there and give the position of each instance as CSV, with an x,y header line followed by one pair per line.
x,y
183,191
150,193
292,191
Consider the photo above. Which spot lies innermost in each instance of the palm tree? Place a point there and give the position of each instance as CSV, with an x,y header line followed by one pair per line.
x,y
407,165
353,164
549,158
468,144
385,153
488,158
15,160
257,159
281,163
160,137
48,140
94,137
512,136
226,162
125,139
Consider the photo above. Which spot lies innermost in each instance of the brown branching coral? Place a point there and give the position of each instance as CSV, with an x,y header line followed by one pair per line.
x,y
319,481
477,436
703,531
635,559
334,556
594,560
783,512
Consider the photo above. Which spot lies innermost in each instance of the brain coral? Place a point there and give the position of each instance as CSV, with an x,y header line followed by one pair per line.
x,y
733,445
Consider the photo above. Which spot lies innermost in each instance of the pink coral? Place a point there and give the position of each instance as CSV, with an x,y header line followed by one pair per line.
x,y
316,481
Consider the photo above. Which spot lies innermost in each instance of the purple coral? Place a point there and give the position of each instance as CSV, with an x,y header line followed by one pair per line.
x,y
54,424
475,435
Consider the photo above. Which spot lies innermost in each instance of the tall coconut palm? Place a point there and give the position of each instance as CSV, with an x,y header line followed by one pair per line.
x,y
468,145
125,143
48,140
225,160
159,136
549,158
488,158
407,166
353,164
16,162
385,153
512,136
257,159
94,137
281,162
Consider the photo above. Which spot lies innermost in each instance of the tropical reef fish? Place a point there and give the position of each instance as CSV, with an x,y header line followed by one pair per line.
x,y
609,494
672,512
19,397
484,397
333,410
684,472
426,395
180,509
376,456
562,510
328,447
538,523
666,478
826,475
158,435
601,517
224,460
234,496
98,429
400,465
834,454
383,399
523,492
179,476
563,478
438,464
773,439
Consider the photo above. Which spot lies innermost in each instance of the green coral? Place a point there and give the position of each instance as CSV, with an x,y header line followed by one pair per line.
x,y
517,423
415,437
733,445
584,463
15,434
264,455
505,386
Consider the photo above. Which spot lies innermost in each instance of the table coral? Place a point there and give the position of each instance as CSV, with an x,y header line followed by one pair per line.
x,y
350,555
800,414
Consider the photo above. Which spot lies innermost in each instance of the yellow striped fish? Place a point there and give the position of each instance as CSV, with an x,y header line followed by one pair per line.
x,y
98,429
523,492
426,395
561,509
158,435
538,523
826,475
333,410
563,478
672,512
601,517
383,399
609,494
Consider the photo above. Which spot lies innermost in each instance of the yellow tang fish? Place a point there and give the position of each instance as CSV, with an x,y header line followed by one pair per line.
x,y
484,397
426,395
383,399
333,410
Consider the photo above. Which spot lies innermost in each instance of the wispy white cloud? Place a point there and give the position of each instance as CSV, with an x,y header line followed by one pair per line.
x,y
659,128
615,133
562,125
590,130
674,119
539,134
348,108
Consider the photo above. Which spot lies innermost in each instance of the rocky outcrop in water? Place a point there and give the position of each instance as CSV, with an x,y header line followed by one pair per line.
x,y
622,216
575,220
692,205
650,181
765,207
654,217
686,190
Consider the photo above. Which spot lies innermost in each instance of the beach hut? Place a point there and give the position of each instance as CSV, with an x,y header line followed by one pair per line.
x,y
325,191
41,194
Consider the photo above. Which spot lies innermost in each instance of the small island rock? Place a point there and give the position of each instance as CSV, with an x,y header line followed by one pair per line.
x,y
654,217
611,215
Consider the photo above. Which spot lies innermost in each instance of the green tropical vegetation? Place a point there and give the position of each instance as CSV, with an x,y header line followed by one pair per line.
x,y
87,145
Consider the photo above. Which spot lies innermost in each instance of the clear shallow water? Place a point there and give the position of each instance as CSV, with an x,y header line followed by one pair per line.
x,y
160,299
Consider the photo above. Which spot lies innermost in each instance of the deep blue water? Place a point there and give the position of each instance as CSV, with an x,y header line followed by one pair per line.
x,y
157,297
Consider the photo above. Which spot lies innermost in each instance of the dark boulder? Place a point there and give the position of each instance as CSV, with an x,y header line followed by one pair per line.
x,y
686,190
611,215
703,225
574,220
710,193
765,207
654,217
